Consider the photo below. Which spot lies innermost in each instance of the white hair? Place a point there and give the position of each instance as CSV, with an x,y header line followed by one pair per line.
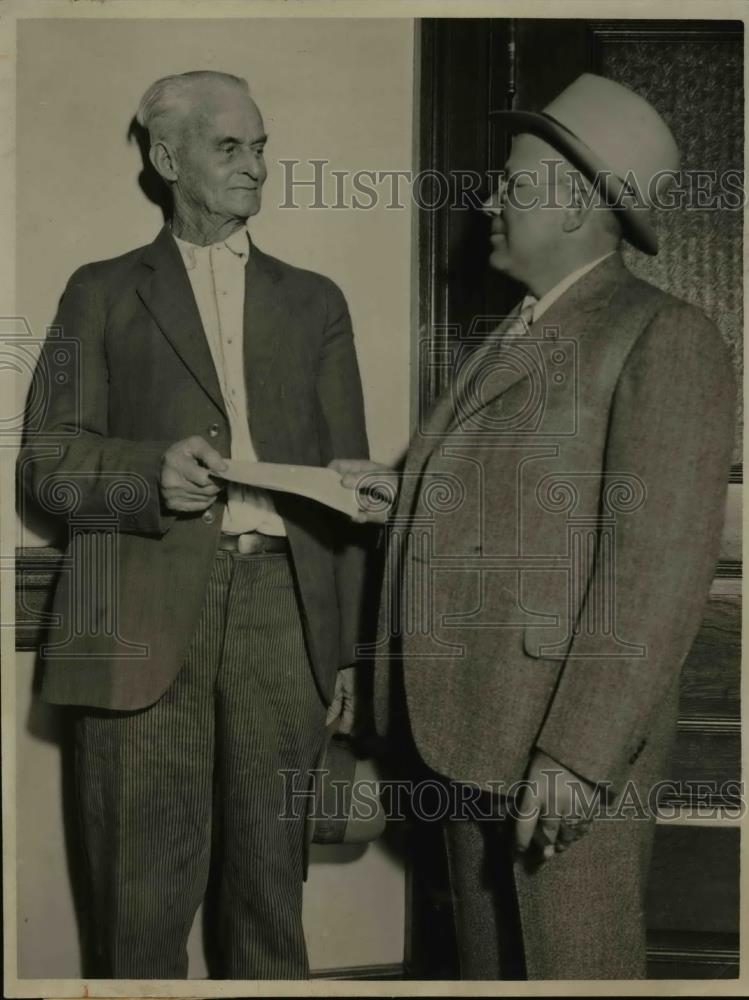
x,y
166,103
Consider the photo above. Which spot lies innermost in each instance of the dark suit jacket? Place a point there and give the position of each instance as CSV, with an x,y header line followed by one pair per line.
x,y
140,377
556,536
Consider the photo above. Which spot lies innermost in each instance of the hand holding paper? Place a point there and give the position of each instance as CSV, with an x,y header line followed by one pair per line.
x,y
327,486
375,485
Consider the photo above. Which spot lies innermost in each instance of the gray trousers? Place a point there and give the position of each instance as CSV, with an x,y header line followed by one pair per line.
x,y
205,762
578,916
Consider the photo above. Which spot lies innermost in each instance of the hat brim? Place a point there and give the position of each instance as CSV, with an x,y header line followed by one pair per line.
x,y
331,815
635,223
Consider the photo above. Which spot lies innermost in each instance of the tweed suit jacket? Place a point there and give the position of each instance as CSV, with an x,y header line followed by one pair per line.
x,y
141,379
556,535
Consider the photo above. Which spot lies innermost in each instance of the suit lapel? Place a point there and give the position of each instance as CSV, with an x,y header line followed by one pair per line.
x,y
167,294
442,415
571,313
437,424
267,326
266,314
496,382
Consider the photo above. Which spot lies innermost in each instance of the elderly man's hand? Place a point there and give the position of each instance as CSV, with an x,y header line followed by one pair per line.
x,y
186,468
343,705
376,487
555,807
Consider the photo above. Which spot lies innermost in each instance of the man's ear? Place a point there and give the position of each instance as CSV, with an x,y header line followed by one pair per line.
x,y
162,158
574,216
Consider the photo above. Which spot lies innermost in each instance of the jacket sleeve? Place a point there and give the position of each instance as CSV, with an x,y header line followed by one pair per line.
x,y
340,394
66,450
671,426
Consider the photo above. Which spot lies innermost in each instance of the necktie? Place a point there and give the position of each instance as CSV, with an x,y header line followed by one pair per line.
x,y
520,318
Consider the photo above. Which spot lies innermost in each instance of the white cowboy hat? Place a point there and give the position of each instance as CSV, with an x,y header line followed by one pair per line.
x,y
609,133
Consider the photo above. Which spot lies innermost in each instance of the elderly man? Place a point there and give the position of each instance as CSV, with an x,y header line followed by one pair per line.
x,y
551,550
217,628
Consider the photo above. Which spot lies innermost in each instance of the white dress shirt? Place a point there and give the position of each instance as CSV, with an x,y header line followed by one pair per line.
x,y
217,277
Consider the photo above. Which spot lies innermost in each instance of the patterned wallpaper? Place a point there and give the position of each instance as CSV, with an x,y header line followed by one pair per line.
x,y
698,89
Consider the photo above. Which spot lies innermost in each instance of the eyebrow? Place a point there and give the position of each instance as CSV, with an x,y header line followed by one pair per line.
x,y
234,139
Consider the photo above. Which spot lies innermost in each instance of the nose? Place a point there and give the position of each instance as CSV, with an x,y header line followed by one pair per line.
x,y
252,164
492,206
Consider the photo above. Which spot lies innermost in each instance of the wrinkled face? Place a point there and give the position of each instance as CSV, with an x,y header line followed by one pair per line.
x,y
527,215
220,154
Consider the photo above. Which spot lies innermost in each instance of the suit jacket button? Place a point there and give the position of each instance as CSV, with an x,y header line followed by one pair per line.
x,y
213,430
208,516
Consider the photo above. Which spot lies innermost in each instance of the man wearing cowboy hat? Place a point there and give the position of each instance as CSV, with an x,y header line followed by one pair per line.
x,y
551,550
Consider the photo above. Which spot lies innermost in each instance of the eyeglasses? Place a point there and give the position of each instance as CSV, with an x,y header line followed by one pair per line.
x,y
507,187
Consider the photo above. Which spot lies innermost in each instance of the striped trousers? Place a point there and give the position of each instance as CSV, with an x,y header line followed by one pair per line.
x,y
204,763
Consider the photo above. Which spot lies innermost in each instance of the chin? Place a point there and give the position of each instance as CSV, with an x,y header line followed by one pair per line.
x,y
246,203
499,259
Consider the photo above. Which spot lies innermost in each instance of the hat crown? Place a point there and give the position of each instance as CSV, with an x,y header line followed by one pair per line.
x,y
619,126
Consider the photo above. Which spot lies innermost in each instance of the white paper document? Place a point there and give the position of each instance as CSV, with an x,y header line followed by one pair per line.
x,y
322,485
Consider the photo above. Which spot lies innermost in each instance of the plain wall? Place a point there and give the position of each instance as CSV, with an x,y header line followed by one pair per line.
x,y
333,89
